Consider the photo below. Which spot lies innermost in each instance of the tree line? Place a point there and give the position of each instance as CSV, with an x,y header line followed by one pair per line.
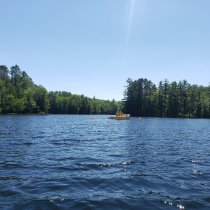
x,y
19,94
168,99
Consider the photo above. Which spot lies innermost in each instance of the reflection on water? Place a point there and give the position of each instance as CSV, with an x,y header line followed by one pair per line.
x,y
77,162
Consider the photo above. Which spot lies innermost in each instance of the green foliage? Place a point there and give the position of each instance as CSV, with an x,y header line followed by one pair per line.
x,y
140,97
67,103
18,94
143,98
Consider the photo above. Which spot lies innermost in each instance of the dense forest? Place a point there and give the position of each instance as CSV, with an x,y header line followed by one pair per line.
x,y
19,94
143,98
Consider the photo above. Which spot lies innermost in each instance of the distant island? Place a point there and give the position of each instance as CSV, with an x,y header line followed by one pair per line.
x,y
19,95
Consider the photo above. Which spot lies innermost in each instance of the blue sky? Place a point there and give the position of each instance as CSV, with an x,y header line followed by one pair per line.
x,y
92,47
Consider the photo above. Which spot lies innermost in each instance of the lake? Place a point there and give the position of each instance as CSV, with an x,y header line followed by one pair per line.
x,y
92,162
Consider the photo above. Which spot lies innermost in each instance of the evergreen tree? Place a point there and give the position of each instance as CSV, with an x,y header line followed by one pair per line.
x,y
143,98
18,94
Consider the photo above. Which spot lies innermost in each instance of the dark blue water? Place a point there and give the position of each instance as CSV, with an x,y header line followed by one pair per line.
x,y
91,162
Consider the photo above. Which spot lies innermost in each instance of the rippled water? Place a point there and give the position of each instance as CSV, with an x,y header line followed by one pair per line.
x,y
91,162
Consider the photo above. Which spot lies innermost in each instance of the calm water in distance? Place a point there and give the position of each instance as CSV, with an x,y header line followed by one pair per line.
x,y
91,162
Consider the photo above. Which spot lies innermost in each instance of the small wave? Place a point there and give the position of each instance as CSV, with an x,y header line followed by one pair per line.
x,y
169,203
11,178
29,143
9,164
6,193
63,158
195,161
195,171
148,175
36,204
105,165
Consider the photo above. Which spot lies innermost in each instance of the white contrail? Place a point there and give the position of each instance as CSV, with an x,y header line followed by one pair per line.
x,y
131,5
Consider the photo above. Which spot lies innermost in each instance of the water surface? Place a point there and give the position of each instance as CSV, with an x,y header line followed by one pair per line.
x,y
91,162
